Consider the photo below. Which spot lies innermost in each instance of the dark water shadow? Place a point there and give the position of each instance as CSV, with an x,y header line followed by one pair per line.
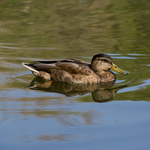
x,y
100,92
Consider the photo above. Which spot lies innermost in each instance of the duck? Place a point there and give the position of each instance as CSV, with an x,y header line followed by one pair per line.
x,y
75,70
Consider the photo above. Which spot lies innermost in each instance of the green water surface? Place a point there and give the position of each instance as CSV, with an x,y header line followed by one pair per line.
x,y
63,116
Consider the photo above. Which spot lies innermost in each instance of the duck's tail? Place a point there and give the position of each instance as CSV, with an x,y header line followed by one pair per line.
x,y
42,74
30,67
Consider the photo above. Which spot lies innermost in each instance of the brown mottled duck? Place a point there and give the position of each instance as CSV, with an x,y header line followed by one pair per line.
x,y
75,70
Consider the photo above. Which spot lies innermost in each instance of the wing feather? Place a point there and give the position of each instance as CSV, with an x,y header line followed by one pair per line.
x,y
74,68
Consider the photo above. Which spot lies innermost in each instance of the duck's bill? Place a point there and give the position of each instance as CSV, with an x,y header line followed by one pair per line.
x,y
116,69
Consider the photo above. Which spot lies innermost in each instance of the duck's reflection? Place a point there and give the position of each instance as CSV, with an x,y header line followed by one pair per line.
x,y
100,92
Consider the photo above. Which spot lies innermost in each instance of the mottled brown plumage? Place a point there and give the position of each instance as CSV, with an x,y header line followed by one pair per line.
x,y
75,70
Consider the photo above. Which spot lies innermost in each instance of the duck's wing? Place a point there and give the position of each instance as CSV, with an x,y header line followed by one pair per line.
x,y
40,67
72,66
76,61
75,67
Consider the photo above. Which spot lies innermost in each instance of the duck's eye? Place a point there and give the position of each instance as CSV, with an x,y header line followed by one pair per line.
x,y
105,60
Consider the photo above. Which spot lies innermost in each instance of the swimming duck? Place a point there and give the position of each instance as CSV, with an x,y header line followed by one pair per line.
x,y
75,70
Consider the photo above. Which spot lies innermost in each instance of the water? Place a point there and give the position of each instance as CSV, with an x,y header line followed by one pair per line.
x,y
64,116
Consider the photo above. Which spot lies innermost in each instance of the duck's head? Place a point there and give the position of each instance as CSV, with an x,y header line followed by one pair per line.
x,y
101,63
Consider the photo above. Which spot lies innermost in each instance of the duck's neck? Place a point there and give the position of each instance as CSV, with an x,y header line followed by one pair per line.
x,y
106,76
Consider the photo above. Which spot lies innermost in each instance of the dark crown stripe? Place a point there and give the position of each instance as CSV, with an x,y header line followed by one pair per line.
x,y
102,57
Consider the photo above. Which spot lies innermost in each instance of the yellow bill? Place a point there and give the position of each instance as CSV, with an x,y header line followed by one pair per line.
x,y
116,69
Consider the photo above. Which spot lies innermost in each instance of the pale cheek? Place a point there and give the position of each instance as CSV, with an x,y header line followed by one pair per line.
x,y
99,63
107,67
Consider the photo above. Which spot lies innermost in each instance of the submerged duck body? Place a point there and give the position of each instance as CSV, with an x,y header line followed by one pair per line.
x,y
75,70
